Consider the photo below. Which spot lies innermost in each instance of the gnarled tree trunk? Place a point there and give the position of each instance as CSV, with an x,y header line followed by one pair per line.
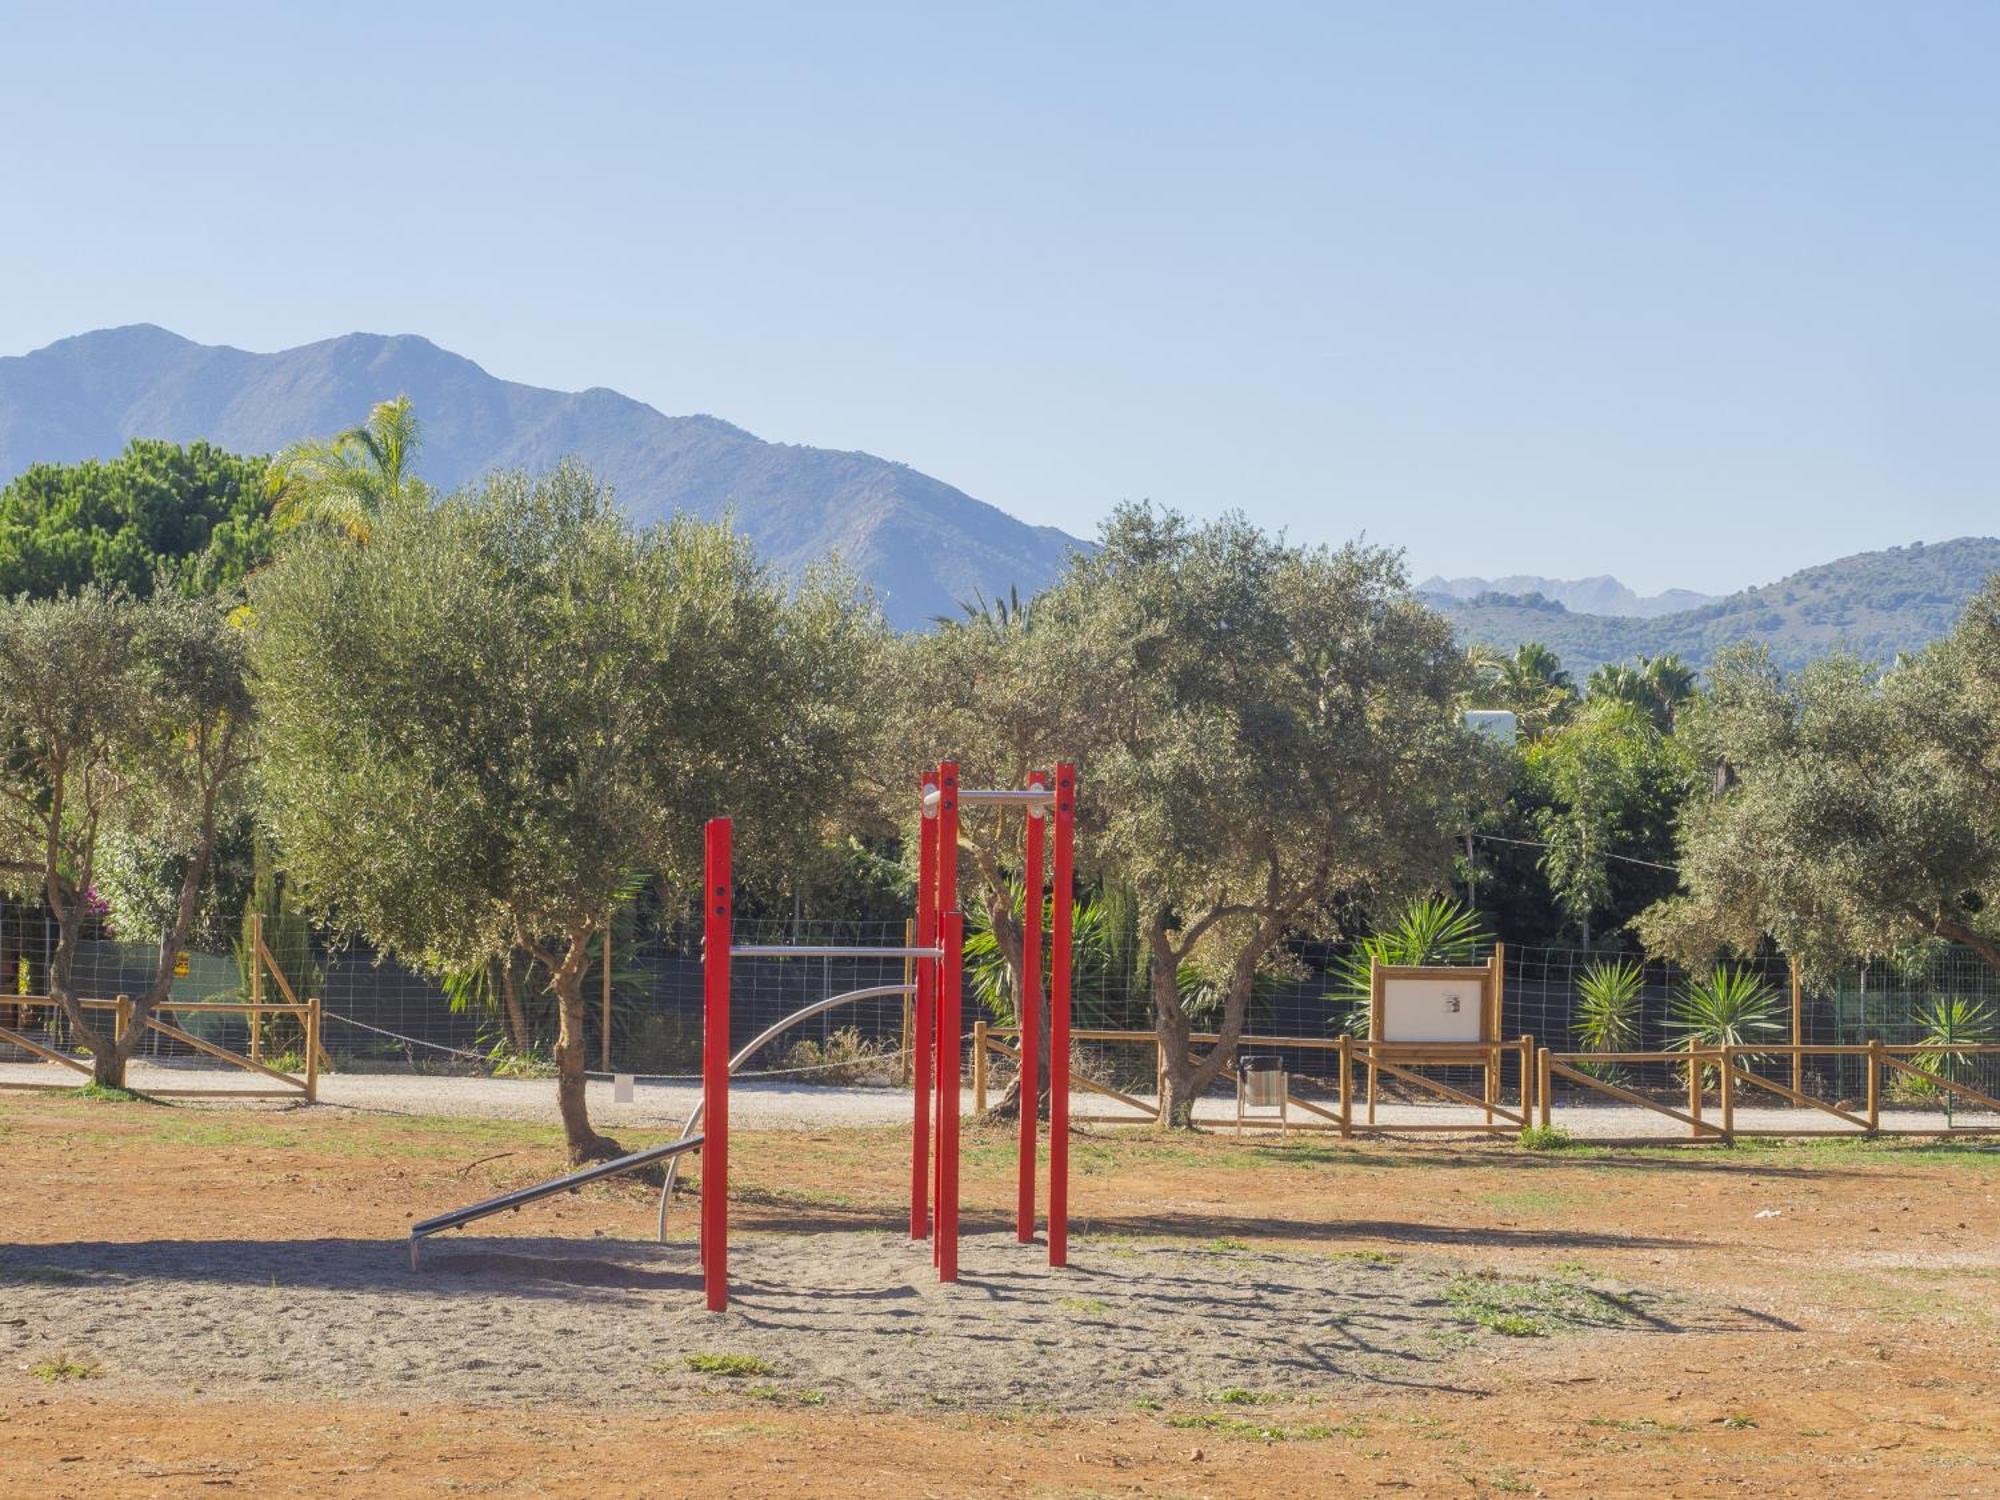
x,y
1186,1077
585,1144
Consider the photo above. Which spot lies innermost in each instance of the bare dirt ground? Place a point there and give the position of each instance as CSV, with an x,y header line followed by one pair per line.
x,y
194,1300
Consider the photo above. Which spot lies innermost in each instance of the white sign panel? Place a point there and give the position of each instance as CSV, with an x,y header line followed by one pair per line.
x,y
1432,1010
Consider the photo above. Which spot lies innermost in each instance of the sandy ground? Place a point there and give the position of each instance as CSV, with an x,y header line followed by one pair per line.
x,y
855,1317
776,1105
194,1300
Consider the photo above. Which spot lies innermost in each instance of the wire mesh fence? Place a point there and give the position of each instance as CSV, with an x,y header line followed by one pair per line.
x,y
381,1015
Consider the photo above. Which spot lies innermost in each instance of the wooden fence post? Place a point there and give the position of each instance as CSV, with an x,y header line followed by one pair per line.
x,y
1798,1032
1874,1084
1729,1094
256,985
312,1050
1346,1087
1694,1093
1545,1075
979,1069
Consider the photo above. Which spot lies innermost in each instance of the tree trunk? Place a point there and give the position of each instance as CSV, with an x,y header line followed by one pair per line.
x,y
1185,1077
510,1002
107,1063
585,1144
1009,938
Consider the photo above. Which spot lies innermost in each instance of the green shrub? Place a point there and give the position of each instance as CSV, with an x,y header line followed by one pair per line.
x,y
1545,1138
1607,1013
846,1057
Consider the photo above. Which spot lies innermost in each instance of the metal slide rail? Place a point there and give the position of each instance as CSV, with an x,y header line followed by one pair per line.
x,y
568,1183
763,1038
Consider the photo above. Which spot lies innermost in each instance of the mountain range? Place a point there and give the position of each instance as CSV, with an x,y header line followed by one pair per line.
x,y
1602,595
1874,604
923,545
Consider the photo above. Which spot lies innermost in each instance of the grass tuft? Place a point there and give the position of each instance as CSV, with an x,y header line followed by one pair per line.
x,y
63,1367
105,1093
1265,1432
729,1366
1546,1138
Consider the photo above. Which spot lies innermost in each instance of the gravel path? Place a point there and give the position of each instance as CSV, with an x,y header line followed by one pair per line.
x,y
778,1105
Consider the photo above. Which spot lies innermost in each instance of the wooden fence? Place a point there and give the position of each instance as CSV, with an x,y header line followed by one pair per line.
x,y
1726,1073
304,1084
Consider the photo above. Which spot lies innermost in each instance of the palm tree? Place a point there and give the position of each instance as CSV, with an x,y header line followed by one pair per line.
x,y
1531,684
1658,684
998,616
349,480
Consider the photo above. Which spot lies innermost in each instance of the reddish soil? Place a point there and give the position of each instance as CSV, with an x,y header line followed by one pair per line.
x,y
1846,1343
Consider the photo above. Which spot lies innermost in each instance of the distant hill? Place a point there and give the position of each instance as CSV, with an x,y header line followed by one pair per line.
x,y
1603,595
1874,604
922,544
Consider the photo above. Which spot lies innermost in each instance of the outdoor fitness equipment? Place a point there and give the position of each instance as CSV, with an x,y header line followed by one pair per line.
x,y
938,958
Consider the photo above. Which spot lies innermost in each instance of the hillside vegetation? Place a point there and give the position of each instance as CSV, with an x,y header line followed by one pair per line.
x,y
1873,603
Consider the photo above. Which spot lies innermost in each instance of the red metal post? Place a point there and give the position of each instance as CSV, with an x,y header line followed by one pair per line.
x,y
716,883
948,1095
1063,877
1031,1017
946,1077
924,1044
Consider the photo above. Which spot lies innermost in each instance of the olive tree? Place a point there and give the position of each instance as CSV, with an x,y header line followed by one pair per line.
x,y
1852,812
489,722
978,691
1263,729
120,719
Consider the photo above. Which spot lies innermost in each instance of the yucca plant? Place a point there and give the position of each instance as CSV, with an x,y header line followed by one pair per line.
x,y
1730,1006
1432,930
1607,1012
1953,1025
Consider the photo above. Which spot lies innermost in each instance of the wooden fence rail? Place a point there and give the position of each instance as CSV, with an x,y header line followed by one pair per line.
x,y
1723,1071
304,1084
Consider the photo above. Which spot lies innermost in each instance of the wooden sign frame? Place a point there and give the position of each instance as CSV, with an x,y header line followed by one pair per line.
x,y
1489,976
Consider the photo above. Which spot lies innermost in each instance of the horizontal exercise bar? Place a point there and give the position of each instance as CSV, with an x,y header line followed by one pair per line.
x,y
818,950
1032,796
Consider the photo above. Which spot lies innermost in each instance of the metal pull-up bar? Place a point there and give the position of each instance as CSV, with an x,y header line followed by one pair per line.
x,y
829,950
1034,799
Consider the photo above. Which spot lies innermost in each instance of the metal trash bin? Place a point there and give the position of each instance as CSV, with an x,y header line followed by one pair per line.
x,y
1261,1083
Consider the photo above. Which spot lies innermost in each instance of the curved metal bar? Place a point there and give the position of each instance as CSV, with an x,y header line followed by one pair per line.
x,y
750,1050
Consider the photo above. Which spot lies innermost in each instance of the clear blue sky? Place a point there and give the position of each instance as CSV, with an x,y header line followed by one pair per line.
x,y
1692,293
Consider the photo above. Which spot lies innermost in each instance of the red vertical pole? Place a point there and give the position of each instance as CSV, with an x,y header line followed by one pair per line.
x,y
1063,878
945,1078
948,1095
924,1044
716,882
1031,1018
